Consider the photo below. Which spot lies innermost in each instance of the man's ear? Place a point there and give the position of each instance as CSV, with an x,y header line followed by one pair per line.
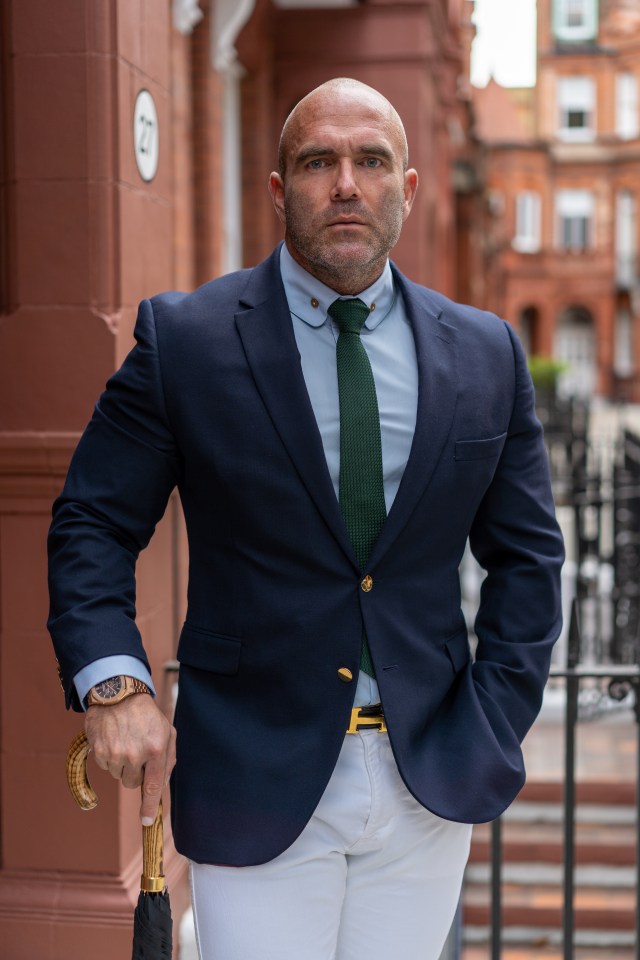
x,y
276,189
410,187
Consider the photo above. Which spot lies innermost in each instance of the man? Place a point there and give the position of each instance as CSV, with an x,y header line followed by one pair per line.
x,y
292,424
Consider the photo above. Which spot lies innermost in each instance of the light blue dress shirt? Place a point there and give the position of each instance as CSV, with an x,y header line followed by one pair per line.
x,y
388,339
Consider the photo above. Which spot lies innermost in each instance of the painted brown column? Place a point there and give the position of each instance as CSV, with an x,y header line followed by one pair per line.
x,y
87,238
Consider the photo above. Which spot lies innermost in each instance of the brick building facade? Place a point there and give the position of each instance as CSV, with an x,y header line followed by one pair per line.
x,y
87,229
561,234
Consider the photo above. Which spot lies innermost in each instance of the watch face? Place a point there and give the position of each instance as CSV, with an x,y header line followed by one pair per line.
x,y
109,689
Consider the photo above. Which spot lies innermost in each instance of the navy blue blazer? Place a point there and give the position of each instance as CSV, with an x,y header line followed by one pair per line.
x,y
212,399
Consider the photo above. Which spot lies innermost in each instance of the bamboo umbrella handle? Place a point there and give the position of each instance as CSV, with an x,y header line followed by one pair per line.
x,y
82,791
152,880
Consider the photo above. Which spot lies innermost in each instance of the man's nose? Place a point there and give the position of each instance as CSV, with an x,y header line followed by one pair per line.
x,y
346,183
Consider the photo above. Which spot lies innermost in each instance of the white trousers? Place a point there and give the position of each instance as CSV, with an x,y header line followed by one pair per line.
x,y
373,874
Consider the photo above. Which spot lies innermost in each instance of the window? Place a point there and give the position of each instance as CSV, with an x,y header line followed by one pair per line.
x,y
627,106
575,345
527,235
576,109
623,344
576,20
575,13
574,212
529,330
625,239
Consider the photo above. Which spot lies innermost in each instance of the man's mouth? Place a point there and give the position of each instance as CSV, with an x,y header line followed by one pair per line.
x,y
346,222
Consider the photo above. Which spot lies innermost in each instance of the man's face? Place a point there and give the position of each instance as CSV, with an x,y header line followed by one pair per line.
x,y
344,195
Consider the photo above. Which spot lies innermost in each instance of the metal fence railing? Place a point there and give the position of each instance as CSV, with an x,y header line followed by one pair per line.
x,y
622,683
596,481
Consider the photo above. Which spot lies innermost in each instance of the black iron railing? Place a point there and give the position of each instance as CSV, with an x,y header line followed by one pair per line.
x,y
623,682
598,483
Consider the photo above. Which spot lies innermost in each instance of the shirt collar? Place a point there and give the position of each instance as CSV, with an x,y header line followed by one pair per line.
x,y
309,298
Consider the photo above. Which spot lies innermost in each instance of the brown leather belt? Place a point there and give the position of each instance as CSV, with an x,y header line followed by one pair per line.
x,y
367,718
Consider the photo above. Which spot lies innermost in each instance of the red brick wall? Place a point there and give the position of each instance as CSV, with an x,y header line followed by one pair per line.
x,y
88,238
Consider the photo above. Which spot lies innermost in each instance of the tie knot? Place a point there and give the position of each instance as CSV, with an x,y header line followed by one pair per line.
x,y
350,315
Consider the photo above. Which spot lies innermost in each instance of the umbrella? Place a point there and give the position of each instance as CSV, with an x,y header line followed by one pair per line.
x,y
152,924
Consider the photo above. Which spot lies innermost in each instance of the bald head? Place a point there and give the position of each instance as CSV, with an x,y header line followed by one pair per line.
x,y
331,96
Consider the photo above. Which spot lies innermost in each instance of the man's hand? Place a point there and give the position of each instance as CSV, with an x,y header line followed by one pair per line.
x,y
135,742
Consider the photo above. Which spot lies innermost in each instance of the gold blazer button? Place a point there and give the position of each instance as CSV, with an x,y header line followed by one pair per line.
x,y
367,583
345,674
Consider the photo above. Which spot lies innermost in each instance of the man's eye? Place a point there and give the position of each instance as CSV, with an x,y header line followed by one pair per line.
x,y
372,162
316,164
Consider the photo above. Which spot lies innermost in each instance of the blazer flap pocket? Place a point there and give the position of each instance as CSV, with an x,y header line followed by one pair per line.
x,y
480,449
458,649
209,651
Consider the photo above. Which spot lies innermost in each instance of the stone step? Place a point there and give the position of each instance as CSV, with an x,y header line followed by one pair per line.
x,y
541,951
606,792
532,871
611,844
534,941
603,909
537,812
551,875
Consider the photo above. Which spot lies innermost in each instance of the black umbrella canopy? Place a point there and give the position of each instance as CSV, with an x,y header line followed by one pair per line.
x,y
152,927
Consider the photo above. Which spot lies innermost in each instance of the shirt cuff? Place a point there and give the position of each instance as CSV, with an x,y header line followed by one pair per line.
x,y
107,667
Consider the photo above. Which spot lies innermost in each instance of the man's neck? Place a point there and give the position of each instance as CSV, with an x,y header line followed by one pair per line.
x,y
347,283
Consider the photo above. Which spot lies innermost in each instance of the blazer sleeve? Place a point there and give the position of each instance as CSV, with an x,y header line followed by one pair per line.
x,y
516,538
121,476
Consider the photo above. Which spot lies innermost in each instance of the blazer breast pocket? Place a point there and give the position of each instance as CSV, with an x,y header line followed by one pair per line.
x,y
206,650
480,449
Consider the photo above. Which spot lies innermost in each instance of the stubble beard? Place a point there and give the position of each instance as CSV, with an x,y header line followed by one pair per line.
x,y
346,264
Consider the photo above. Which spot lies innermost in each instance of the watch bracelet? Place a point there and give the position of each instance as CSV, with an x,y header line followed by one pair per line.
x,y
139,686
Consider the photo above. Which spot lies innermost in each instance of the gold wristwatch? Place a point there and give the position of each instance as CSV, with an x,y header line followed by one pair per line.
x,y
114,690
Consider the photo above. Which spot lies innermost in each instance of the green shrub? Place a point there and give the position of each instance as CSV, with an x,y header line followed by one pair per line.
x,y
545,370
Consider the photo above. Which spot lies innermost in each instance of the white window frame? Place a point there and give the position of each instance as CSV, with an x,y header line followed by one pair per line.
x,y
567,28
527,238
627,120
575,220
575,344
623,364
626,243
576,95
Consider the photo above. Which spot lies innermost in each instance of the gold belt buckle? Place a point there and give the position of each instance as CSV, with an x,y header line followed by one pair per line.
x,y
358,722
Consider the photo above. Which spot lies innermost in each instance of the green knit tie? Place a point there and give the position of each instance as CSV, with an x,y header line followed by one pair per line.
x,y
361,484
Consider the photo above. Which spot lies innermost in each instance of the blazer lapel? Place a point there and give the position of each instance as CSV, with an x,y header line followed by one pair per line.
x,y
270,348
436,350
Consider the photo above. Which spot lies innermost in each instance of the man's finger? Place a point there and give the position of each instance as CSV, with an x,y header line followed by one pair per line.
x,y
132,777
101,761
116,770
151,791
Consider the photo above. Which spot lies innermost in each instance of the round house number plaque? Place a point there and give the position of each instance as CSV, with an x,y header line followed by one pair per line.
x,y
145,135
